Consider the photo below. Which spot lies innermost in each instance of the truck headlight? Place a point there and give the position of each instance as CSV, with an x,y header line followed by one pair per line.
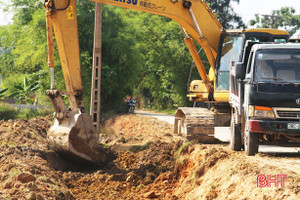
x,y
261,111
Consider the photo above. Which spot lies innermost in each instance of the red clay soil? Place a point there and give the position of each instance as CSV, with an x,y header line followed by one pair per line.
x,y
147,162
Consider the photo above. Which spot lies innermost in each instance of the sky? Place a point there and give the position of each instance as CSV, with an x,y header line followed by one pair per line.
x,y
5,17
246,8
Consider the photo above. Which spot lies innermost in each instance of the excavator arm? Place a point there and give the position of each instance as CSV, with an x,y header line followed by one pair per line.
x,y
72,133
62,16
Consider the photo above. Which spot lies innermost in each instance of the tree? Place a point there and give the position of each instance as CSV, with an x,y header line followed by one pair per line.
x,y
283,18
225,13
166,60
142,54
25,92
121,58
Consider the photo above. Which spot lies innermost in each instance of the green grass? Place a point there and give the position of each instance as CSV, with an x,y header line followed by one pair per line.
x,y
138,148
3,142
7,111
9,143
29,113
182,148
43,178
170,111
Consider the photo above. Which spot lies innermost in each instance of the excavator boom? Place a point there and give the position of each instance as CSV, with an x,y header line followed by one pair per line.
x,y
195,17
179,11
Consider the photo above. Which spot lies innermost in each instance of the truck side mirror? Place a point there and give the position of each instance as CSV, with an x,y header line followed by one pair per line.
x,y
239,70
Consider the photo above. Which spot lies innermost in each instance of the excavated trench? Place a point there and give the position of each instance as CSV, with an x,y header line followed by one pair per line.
x,y
146,162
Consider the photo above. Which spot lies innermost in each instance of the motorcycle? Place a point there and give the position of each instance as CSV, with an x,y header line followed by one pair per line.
x,y
131,106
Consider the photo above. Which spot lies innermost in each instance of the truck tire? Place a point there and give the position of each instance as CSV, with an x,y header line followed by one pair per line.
x,y
235,136
251,143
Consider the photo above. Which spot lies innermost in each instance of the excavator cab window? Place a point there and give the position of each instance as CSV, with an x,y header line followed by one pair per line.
x,y
231,49
280,40
267,38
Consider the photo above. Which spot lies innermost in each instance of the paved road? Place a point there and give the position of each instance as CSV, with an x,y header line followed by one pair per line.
x,y
223,134
159,116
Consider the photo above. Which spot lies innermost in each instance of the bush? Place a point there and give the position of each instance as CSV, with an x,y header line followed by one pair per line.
x,y
30,113
7,111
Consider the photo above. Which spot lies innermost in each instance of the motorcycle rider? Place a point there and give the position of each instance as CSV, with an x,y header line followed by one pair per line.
x,y
130,104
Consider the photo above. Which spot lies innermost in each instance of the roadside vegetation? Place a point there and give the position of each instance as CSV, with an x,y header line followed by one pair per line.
x,y
170,111
8,111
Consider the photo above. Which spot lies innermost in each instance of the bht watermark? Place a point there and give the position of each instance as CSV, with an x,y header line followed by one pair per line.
x,y
267,180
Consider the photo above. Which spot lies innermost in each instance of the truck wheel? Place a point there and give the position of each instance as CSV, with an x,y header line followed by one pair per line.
x,y
251,143
235,136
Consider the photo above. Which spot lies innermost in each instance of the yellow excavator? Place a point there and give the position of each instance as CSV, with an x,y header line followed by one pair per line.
x,y
72,133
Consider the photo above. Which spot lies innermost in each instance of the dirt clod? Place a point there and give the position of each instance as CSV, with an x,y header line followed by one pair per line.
x,y
26,177
150,195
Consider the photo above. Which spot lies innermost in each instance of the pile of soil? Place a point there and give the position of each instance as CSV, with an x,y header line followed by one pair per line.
x,y
147,174
126,132
25,162
147,162
215,172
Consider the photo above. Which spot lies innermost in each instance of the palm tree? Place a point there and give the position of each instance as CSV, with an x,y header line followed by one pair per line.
x,y
24,93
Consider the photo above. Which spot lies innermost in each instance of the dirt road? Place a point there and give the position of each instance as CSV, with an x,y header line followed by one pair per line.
x,y
146,162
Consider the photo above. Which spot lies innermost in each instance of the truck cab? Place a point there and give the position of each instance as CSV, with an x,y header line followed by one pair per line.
x,y
265,97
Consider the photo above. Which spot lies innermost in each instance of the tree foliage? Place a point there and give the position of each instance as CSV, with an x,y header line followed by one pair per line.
x,y
225,13
166,59
282,18
24,93
142,54
2,95
121,60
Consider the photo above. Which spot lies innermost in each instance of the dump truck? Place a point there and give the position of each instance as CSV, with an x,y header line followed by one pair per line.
x,y
72,133
265,96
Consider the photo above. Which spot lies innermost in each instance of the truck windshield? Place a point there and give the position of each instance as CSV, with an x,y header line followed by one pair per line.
x,y
277,65
231,50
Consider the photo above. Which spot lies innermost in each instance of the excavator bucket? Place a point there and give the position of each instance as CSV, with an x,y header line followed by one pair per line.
x,y
73,137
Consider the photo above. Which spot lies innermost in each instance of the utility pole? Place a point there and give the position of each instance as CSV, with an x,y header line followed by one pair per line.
x,y
96,74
